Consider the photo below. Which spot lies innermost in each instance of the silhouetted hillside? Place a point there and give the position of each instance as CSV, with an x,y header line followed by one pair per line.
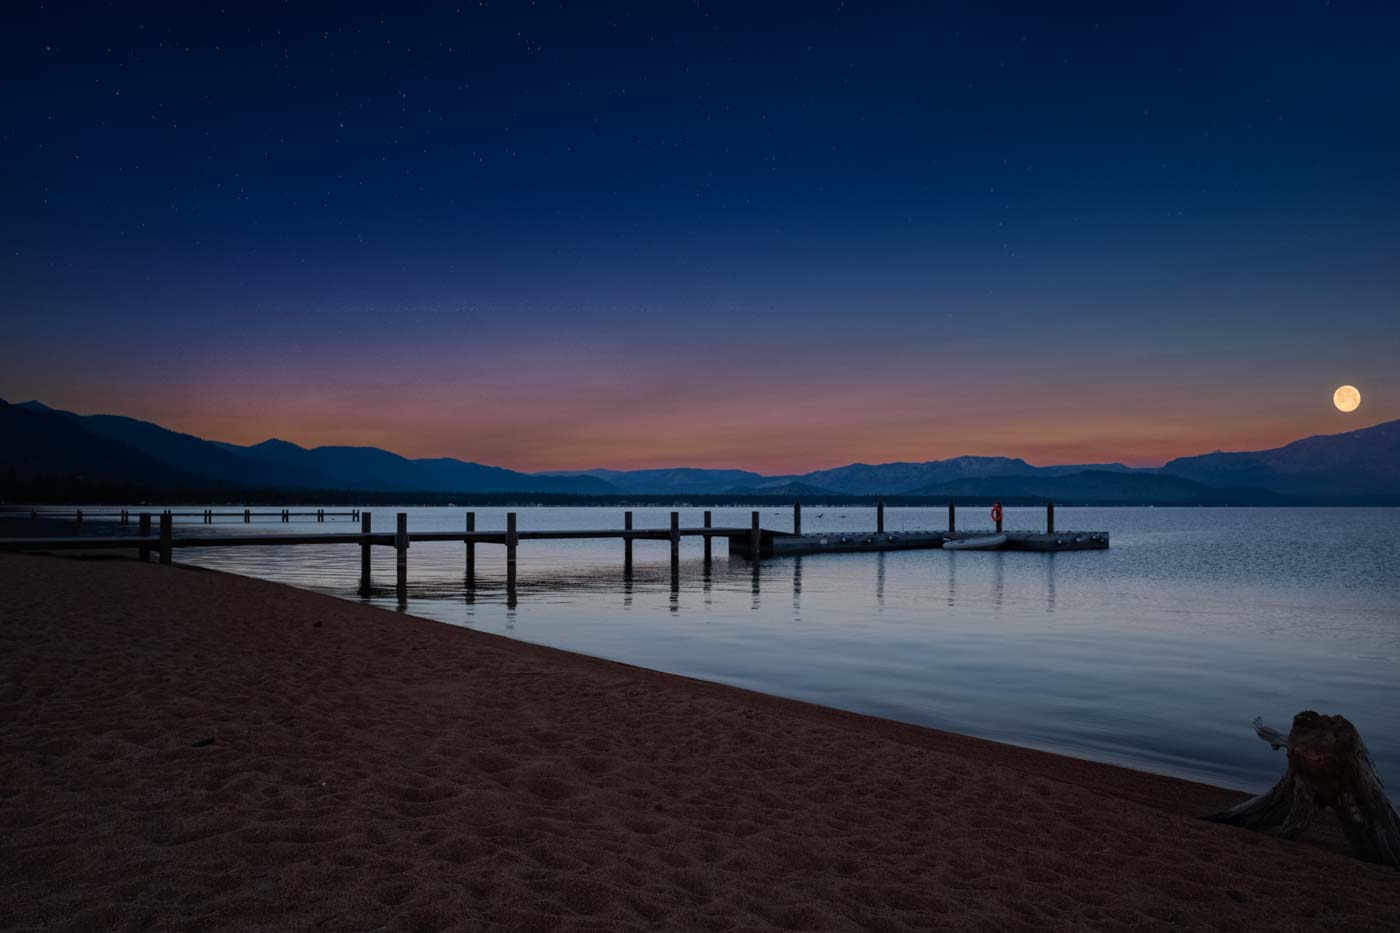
x,y
40,443
1360,463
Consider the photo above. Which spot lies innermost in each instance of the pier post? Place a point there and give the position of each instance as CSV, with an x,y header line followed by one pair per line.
x,y
708,539
1049,518
880,517
797,518
996,510
365,525
124,517
401,556
627,544
471,552
320,515
675,541
755,540
247,516
512,539
952,517
145,529
80,518
165,523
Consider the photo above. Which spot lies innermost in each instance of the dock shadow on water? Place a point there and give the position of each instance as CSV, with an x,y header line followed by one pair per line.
x,y
1156,653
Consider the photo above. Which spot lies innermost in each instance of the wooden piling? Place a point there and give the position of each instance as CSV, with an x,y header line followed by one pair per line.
x,y
1049,518
145,529
627,544
952,517
797,518
320,515
471,552
512,541
675,540
80,518
401,556
247,516
124,520
755,539
708,539
880,517
165,523
996,509
365,526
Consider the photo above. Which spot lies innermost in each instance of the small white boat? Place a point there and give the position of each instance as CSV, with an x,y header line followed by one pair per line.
x,y
982,543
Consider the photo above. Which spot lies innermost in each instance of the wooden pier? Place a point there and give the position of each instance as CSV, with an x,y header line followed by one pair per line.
x,y
753,543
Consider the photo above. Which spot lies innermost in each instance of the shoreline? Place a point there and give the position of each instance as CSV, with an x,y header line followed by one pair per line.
x,y
205,749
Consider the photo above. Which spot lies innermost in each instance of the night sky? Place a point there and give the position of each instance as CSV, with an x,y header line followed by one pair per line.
x,y
547,236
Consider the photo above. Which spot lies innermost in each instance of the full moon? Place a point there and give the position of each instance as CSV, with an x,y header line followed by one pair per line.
x,y
1346,398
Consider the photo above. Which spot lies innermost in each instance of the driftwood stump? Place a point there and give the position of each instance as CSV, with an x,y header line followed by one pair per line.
x,y
1328,766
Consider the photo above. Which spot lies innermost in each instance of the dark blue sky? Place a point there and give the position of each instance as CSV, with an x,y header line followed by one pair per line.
x,y
787,237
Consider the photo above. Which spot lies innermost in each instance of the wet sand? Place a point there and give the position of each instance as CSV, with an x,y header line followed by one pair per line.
x,y
189,750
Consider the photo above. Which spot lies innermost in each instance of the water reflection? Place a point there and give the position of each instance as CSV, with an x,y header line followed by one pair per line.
x,y
998,577
675,585
952,564
880,578
797,587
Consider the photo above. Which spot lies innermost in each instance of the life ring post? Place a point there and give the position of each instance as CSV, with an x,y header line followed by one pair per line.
x,y
996,515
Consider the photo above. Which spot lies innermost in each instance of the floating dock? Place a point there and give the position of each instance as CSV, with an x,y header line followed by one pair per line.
x,y
778,544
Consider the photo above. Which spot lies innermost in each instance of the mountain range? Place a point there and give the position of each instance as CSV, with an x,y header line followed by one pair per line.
x,y
45,448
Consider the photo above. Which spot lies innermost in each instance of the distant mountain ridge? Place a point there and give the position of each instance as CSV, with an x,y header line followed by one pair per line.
x,y
38,441
677,481
1102,486
284,465
1362,462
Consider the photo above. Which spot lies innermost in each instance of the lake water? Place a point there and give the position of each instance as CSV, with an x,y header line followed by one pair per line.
x,y
1155,654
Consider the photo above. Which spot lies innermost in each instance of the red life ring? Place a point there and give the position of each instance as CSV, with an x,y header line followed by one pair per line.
x,y
996,513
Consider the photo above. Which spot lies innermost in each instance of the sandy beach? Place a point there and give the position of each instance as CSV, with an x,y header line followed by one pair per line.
x,y
189,750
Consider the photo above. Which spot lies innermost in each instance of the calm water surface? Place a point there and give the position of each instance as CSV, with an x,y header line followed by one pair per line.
x,y
1155,654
